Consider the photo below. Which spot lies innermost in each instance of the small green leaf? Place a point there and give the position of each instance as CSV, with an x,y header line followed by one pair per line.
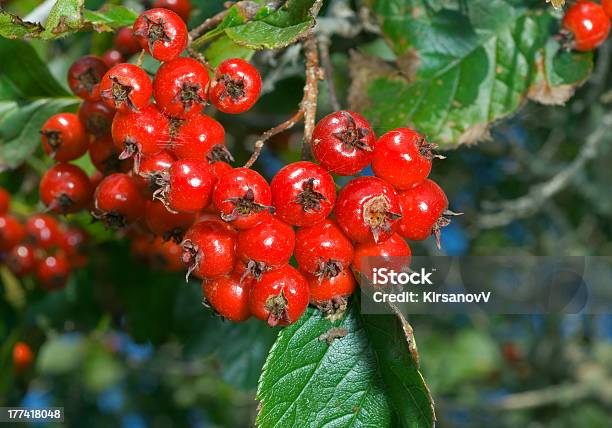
x,y
224,48
110,17
13,27
65,17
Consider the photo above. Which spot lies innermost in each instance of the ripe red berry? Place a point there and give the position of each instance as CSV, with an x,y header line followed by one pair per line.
x,y
146,132
11,232
97,117
126,87
607,7
166,255
53,271
331,293
343,142
21,260
322,249
235,87
152,170
170,226
63,137
229,296
118,201
181,7
220,169
201,138
303,193
105,156
22,356
187,186
180,87
84,77
73,241
280,297
65,189
394,253
5,201
209,249
588,23
368,209
43,230
162,33
112,58
266,245
126,43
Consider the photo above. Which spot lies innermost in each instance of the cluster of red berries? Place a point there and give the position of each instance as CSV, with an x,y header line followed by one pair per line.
x,y
586,24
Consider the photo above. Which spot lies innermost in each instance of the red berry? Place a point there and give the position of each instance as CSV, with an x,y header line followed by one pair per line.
x,y
162,33
266,245
112,58
22,356
73,241
209,249
242,197
187,186
394,253
84,77
63,137
118,201
126,87
166,255
280,297
105,156
181,7
53,271
343,142
303,193
323,250
201,138
425,211
5,201
331,293
21,260
126,43
11,232
607,7
141,133
152,170
220,169
65,189
166,224
235,87
588,23
180,87
229,297
43,230
97,117
368,209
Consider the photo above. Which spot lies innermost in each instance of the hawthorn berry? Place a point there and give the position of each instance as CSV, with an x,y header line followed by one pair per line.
x,y
220,168
343,142
84,77
242,197
330,294
112,58
22,356
166,255
63,137
209,249
267,245
201,138
186,186
118,201
5,201
11,232
303,193
394,253
162,33
74,242
323,250
425,209
180,87
228,296
588,24
368,209
126,43
65,189
280,297
43,231
126,87
168,225
104,156
235,87
97,117
181,7
52,271
21,260
152,169
607,7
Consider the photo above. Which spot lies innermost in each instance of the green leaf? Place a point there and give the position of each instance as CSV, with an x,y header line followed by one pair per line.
x,y
65,17
460,66
224,48
13,27
110,17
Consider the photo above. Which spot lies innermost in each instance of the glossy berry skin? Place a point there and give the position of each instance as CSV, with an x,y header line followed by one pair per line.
x,y
97,117
220,169
162,33
423,208
74,241
11,232
280,297
201,138
588,23
235,87
607,7
181,7
52,271
368,210
118,201
323,249
395,251
23,357
303,193
126,43
324,291
105,156
229,296
270,243
65,189
180,87
146,132
126,87
402,157
242,197
84,77
63,137
21,260
168,225
190,186
209,249
43,230
343,142
112,58
5,201
152,168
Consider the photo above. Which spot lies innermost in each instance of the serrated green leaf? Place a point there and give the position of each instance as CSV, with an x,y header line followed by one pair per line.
x,y
13,27
110,17
261,35
65,17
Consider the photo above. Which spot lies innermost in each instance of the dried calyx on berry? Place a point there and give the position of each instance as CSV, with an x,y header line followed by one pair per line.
x,y
309,198
244,206
352,135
